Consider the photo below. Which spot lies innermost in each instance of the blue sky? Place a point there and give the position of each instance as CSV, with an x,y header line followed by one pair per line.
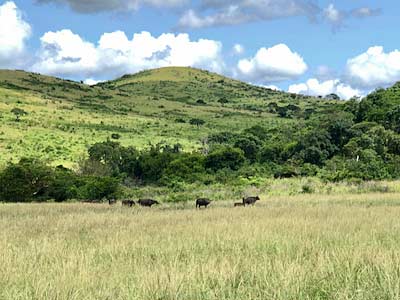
x,y
312,47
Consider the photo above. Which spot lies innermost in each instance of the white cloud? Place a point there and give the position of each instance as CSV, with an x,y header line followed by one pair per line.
x,y
346,91
364,12
324,73
238,49
14,32
333,15
272,87
91,81
314,87
337,17
235,12
300,88
93,6
274,64
232,15
373,68
64,53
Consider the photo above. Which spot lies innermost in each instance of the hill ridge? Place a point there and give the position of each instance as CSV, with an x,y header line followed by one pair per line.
x,y
65,116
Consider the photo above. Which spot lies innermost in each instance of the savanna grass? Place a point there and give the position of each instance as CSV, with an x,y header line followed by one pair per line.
x,y
297,247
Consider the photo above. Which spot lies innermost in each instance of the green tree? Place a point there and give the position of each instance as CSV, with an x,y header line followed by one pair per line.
x,y
153,162
393,119
188,167
63,185
98,188
197,122
18,112
112,156
225,157
25,181
250,146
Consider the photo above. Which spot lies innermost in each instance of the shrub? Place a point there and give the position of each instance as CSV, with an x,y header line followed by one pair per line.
x,y
197,122
63,185
115,136
187,167
249,145
25,181
201,102
98,188
225,157
307,189
18,112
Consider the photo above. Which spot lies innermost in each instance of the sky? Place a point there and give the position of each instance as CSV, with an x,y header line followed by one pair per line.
x,y
347,47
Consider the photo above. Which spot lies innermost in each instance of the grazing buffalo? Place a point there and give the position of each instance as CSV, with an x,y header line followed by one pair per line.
x,y
250,200
112,201
202,202
147,202
129,203
238,204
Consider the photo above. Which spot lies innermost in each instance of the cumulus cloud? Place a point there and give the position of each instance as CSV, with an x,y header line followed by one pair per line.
x,y
334,15
93,6
373,68
337,17
324,73
274,64
64,53
364,12
314,87
238,49
14,32
91,81
272,87
242,11
224,13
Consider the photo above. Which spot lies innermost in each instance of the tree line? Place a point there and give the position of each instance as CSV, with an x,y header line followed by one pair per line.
x,y
359,139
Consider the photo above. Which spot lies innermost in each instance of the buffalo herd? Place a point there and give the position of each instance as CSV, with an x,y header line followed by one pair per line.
x,y
130,203
201,202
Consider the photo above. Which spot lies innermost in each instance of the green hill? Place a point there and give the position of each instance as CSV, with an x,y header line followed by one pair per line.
x,y
64,117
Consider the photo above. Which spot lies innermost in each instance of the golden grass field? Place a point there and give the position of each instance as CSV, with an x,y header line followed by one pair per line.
x,y
293,247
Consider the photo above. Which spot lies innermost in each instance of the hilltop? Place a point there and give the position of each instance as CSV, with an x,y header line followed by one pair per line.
x,y
65,117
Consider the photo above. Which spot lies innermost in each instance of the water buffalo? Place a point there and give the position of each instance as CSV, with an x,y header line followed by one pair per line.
x,y
250,200
129,203
147,202
238,204
202,202
112,201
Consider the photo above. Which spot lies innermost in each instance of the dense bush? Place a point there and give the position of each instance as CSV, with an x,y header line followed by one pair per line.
x,y
358,140
225,158
32,180
25,181
64,185
97,188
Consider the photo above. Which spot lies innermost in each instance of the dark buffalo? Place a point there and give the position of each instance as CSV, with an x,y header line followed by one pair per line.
x,y
238,204
129,203
202,202
112,201
147,202
250,200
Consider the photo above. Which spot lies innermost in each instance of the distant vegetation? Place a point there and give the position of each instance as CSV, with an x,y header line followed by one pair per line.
x,y
133,141
64,118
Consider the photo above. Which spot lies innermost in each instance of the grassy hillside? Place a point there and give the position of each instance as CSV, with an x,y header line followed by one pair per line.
x,y
64,117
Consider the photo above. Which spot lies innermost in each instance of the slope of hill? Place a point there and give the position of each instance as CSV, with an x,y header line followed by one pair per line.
x,y
61,118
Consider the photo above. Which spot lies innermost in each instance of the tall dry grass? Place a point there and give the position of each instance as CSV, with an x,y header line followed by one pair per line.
x,y
302,247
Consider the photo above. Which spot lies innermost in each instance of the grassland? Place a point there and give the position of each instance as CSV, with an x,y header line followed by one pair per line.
x,y
65,117
293,247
